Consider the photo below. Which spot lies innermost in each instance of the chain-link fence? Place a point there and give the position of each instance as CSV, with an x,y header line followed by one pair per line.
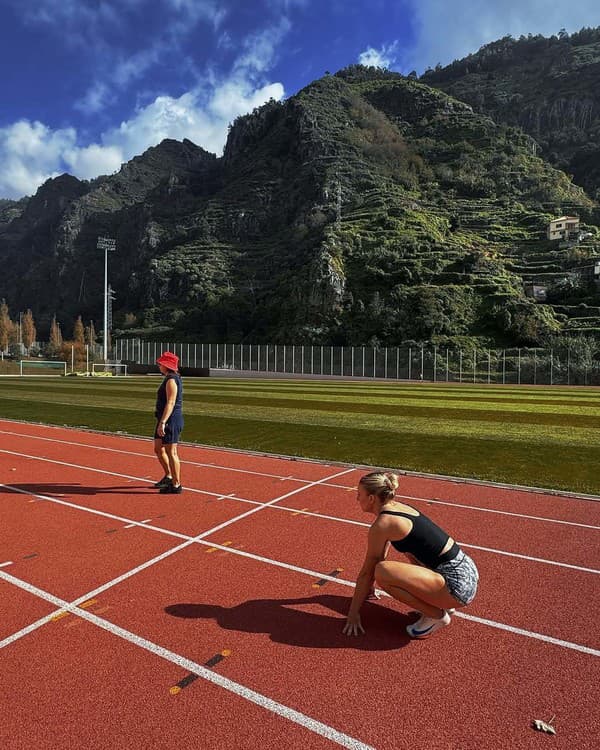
x,y
562,365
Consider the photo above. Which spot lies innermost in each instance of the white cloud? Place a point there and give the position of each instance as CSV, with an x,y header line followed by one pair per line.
x,y
259,49
452,30
379,58
30,153
193,11
95,99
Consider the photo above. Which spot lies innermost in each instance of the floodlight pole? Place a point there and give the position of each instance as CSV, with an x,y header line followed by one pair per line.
x,y
106,244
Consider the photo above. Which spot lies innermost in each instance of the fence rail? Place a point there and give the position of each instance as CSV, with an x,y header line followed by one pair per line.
x,y
410,362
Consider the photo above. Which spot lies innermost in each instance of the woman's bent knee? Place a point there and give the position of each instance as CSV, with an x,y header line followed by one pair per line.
x,y
382,571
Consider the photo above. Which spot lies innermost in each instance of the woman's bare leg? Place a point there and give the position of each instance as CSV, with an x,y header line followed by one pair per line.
x,y
161,454
174,464
416,586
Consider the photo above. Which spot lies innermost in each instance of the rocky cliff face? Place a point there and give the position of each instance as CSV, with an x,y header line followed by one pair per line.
x,y
368,207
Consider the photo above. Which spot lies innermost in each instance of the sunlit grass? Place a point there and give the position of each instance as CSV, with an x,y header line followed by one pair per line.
x,y
546,437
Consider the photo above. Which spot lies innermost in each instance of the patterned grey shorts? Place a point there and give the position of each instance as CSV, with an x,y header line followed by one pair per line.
x,y
461,577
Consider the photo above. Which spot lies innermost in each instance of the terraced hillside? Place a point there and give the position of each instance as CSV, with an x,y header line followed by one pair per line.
x,y
368,208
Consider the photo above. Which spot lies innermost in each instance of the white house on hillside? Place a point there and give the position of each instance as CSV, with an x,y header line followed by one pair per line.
x,y
564,228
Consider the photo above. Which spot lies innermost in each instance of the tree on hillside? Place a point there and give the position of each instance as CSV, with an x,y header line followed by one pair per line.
x,y
55,341
5,326
28,331
78,331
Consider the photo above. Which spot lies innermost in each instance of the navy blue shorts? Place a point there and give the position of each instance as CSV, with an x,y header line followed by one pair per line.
x,y
172,432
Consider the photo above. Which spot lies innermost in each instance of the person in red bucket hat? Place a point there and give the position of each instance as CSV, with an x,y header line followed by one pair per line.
x,y
169,415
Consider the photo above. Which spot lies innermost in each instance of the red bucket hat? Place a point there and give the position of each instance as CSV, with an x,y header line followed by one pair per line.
x,y
169,360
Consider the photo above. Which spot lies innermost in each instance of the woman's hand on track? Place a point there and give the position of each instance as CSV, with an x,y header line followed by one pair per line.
x,y
353,626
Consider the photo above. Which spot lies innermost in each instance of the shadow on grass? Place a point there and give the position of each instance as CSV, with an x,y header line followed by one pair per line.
x,y
47,488
301,622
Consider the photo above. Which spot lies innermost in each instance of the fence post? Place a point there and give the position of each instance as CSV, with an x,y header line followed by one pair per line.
x,y
503,366
409,362
551,366
422,362
435,364
474,363
447,364
489,366
519,366
568,364
460,365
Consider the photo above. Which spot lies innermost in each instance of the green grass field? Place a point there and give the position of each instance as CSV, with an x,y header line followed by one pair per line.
x,y
547,437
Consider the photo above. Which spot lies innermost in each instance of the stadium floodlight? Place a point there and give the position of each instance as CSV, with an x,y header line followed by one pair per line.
x,y
107,244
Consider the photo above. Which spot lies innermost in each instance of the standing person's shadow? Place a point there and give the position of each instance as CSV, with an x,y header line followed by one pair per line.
x,y
292,621
48,488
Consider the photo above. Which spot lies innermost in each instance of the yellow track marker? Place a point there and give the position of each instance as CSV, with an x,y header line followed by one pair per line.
x,y
89,603
60,616
216,549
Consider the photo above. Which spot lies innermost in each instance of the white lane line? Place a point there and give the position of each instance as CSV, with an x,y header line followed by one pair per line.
x,y
259,558
344,487
144,524
201,464
529,634
498,512
532,559
447,479
310,484
276,563
6,564
215,678
188,539
297,569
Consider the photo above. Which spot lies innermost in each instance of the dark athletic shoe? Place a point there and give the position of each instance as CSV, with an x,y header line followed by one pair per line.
x,y
164,482
170,489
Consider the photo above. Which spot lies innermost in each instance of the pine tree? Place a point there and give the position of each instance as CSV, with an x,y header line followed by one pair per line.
x,y
28,331
5,326
55,342
78,331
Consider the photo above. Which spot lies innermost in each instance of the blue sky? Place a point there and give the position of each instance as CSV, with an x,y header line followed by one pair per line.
x,y
88,84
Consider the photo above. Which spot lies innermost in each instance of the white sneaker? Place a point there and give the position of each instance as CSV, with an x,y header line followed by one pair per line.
x,y
426,626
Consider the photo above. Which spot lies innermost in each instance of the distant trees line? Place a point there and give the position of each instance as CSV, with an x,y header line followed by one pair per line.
x,y
20,336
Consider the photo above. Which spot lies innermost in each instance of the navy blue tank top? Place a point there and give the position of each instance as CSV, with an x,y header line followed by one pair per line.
x,y
425,540
161,398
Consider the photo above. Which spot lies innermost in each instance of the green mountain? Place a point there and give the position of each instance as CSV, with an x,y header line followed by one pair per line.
x,y
369,207
549,87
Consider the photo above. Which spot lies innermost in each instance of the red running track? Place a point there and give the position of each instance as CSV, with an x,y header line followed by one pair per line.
x,y
229,581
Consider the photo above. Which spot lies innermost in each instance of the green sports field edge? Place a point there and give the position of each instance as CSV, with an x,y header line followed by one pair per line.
x,y
534,436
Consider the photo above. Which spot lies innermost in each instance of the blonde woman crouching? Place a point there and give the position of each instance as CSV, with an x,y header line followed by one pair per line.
x,y
439,577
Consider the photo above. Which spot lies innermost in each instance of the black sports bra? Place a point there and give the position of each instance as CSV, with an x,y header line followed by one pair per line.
x,y
424,541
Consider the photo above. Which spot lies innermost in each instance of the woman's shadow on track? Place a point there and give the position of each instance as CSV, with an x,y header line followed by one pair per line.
x,y
291,621
47,488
